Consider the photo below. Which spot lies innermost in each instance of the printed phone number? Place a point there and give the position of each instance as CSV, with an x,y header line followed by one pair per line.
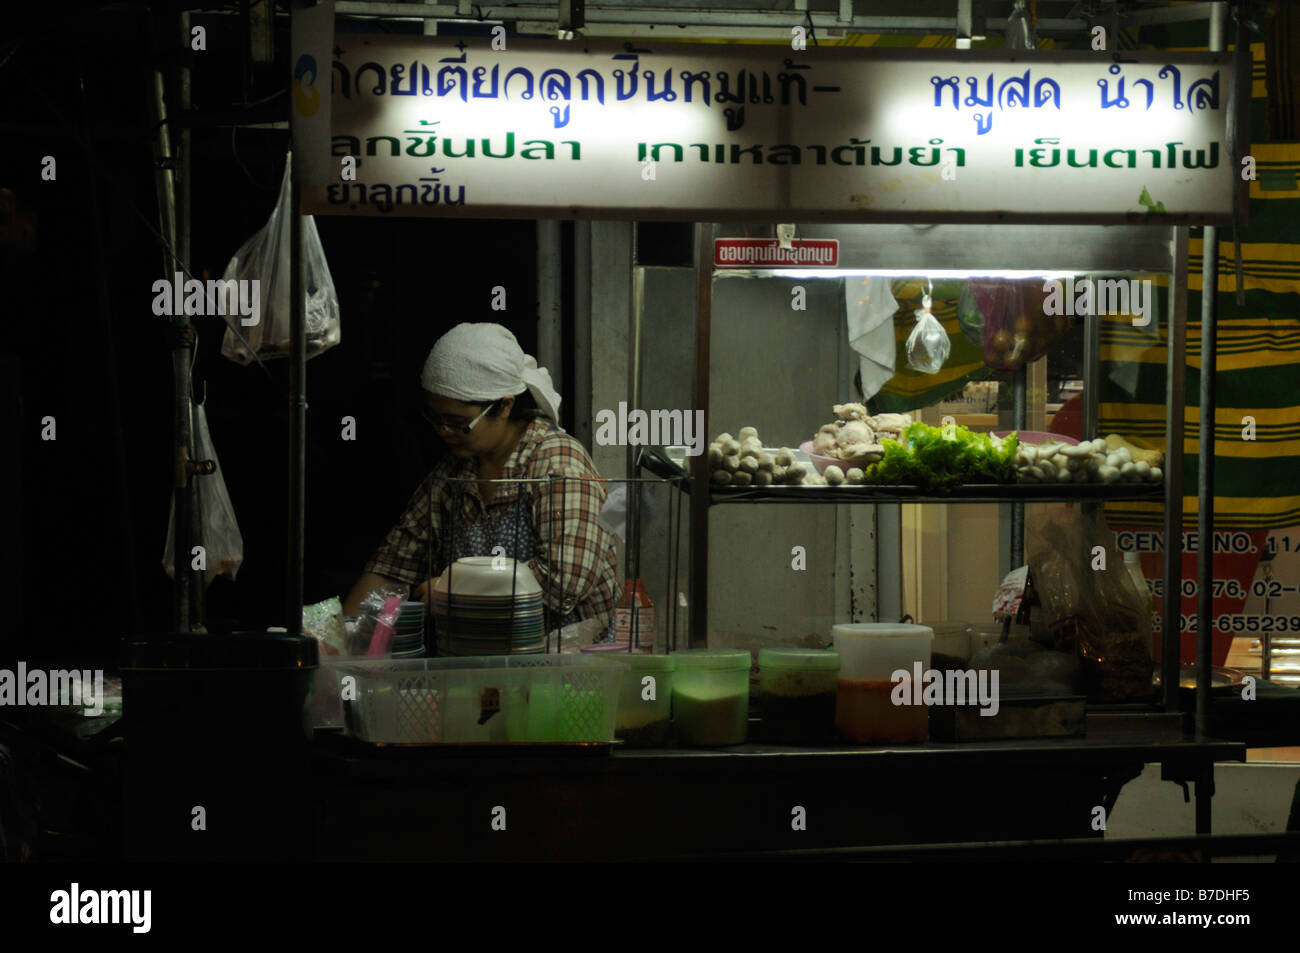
x,y
1229,588
1240,623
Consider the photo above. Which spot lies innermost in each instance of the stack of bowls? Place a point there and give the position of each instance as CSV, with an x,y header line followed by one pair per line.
x,y
489,605
408,631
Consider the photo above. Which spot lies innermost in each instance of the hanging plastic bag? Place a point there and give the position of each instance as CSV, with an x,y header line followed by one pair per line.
x,y
222,542
1017,330
928,346
265,258
969,316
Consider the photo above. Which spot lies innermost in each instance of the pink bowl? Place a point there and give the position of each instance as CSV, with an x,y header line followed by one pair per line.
x,y
1038,436
820,462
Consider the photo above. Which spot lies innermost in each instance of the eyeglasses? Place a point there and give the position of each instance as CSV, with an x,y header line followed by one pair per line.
x,y
455,424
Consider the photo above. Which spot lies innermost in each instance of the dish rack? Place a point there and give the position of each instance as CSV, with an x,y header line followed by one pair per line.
x,y
488,700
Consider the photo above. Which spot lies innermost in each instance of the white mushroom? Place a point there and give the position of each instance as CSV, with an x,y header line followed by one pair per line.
x,y
731,462
785,457
748,433
765,461
741,478
749,464
834,476
721,477
855,475
763,478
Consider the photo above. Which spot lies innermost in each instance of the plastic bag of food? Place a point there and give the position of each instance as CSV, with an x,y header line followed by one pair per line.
x,y
969,316
373,612
265,258
1016,328
928,346
1090,603
222,542
324,622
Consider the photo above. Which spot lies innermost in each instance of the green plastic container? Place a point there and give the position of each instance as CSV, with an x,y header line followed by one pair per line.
x,y
796,695
643,722
711,696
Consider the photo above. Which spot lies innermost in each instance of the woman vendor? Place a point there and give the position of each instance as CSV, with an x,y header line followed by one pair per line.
x,y
496,410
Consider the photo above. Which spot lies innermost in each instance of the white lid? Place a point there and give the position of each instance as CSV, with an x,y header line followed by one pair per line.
x,y
880,630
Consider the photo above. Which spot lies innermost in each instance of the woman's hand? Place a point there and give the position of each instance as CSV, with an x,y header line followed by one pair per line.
x,y
423,592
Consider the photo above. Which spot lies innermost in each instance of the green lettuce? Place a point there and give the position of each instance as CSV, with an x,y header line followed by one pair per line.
x,y
928,458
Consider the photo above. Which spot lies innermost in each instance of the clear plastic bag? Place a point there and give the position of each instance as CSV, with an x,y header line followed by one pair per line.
x,y
265,257
372,613
928,346
222,541
324,622
969,316
1096,612
1016,329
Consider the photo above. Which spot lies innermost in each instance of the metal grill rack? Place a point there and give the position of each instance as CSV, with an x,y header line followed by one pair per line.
x,y
558,600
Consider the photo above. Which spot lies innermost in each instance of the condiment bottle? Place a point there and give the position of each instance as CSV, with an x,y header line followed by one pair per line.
x,y
634,611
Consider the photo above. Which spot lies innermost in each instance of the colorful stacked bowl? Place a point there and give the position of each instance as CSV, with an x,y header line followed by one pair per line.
x,y
485,608
408,631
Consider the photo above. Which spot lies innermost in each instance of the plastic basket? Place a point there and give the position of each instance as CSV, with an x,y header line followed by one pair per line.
x,y
484,700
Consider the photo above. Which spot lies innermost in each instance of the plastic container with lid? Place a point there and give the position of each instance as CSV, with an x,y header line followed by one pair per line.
x,y
643,722
711,696
796,695
870,653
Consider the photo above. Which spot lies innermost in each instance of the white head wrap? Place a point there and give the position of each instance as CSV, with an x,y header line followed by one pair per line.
x,y
475,363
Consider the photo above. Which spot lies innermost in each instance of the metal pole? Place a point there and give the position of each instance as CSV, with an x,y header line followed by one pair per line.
x,y
549,335
297,408
633,553
700,485
184,229
182,337
1205,459
1175,413
1019,398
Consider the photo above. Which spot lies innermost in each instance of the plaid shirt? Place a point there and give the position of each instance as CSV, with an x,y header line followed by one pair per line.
x,y
578,567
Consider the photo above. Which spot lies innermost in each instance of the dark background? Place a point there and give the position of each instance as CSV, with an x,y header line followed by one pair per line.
x,y
85,515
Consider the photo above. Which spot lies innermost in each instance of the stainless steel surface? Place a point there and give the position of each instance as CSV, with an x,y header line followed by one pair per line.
x,y
1175,412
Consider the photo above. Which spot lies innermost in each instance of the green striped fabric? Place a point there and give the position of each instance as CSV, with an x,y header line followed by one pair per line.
x,y
1257,475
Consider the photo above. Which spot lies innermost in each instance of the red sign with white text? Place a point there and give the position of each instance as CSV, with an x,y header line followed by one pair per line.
x,y
768,253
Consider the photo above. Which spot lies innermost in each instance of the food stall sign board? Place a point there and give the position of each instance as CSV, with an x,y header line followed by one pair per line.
x,y
550,129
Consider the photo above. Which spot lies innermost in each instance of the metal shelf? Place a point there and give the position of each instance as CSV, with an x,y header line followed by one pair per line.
x,y
971,493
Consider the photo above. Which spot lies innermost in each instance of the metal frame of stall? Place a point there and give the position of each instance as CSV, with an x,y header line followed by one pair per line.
x,y
1175,259
1154,248
1091,250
